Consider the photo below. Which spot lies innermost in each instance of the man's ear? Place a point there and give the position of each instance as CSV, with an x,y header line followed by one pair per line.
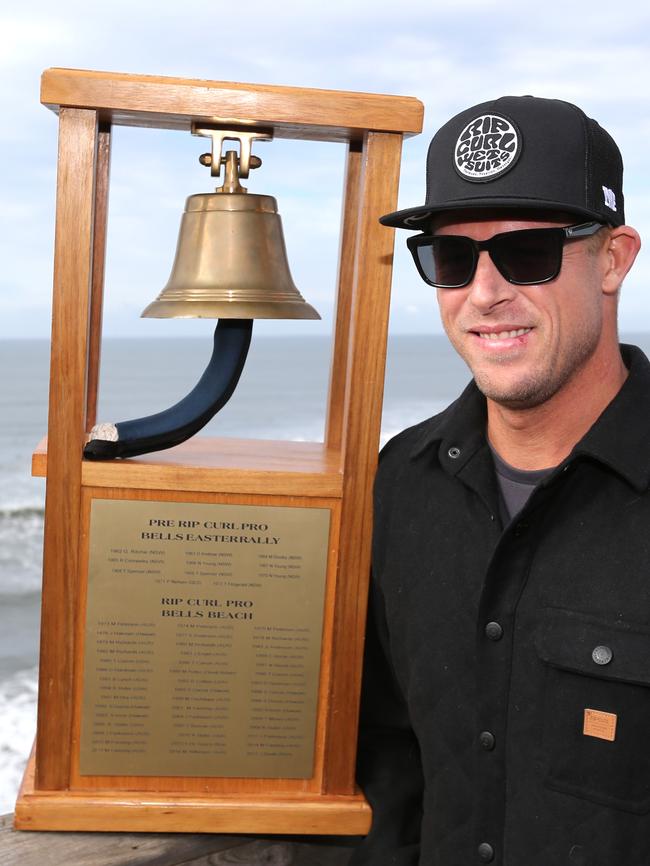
x,y
621,250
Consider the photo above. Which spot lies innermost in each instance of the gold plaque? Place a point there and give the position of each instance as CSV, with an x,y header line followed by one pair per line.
x,y
203,639
599,724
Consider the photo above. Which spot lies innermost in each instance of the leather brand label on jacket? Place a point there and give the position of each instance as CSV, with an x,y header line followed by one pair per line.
x,y
599,724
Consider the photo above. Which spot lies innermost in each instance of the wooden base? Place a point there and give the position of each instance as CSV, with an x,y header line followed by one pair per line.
x,y
132,811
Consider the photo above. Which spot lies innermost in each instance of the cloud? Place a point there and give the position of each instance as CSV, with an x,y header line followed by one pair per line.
x,y
446,55
24,37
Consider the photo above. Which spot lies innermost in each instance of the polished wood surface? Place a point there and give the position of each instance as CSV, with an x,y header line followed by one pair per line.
x,y
228,465
141,811
78,136
172,103
98,268
335,424
363,402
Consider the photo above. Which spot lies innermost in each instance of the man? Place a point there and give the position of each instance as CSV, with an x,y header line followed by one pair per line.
x,y
506,711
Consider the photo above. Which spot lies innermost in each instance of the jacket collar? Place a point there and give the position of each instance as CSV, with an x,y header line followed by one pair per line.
x,y
619,438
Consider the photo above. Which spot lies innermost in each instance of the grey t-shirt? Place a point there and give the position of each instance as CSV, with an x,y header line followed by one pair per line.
x,y
515,485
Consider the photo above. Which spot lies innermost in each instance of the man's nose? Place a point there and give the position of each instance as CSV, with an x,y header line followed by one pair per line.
x,y
489,288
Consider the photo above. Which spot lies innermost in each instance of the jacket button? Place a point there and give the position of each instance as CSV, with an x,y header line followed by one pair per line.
x,y
487,741
493,631
454,452
485,852
602,655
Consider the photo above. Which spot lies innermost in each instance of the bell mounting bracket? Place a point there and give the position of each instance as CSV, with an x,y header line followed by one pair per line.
x,y
245,138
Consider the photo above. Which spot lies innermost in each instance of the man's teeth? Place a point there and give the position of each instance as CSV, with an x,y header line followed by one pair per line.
x,y
503,335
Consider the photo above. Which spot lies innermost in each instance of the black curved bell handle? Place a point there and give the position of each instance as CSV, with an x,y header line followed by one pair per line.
x,y
210,394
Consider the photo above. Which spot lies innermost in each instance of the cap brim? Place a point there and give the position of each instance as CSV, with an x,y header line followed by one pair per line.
x,y
414,218
411,218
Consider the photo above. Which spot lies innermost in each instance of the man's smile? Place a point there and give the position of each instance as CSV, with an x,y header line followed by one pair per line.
x,y
505,337
504,334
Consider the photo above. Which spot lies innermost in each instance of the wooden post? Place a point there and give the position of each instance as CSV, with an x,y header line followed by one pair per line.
x,y
78,136
99,264
362,412
347,257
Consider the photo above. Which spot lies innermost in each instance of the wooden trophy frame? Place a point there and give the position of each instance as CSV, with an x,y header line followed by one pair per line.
x,y
336,474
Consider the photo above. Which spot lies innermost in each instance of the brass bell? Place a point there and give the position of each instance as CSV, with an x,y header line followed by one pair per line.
x,y
231,265
231,260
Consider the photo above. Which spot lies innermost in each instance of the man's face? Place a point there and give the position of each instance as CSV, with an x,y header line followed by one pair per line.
x,y
524,343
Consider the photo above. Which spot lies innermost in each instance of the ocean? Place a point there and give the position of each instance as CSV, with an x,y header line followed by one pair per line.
x,y
281,395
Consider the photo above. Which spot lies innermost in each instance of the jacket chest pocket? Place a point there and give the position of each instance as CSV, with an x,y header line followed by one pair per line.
x,y
596,740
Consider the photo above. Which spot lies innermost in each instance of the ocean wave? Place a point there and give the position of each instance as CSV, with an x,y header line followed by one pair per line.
x,y
21,550
18,696
20,494
398,418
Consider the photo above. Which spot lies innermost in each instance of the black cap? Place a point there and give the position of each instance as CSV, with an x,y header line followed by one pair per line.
x,y
521,151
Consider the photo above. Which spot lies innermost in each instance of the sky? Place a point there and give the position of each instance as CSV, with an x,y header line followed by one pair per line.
x,y
450,55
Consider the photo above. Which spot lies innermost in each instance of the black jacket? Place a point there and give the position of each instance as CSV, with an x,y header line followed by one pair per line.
x,y
482,650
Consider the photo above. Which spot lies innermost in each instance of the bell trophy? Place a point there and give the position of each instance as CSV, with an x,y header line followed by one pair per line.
x,y
204,598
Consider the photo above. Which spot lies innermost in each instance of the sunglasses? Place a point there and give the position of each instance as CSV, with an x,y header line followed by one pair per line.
x,y
525,257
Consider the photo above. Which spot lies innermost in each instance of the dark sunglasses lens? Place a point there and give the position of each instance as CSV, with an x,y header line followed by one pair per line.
x,y
528,257
447,262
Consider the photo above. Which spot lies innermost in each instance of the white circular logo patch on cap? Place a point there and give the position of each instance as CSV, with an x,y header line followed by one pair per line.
x,y
486,148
